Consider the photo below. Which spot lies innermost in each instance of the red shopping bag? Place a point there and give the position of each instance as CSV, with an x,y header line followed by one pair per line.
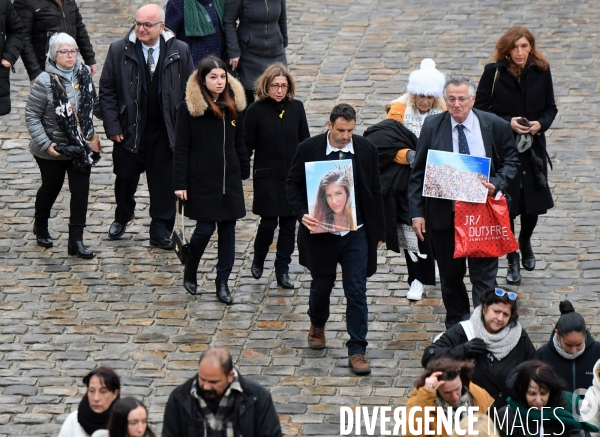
x,y
483,229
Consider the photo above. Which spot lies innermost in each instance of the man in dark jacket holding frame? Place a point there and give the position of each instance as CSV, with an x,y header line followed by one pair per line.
x,y
355,251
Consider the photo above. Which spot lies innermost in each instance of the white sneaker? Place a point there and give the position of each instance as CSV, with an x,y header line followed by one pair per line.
x,y
416,291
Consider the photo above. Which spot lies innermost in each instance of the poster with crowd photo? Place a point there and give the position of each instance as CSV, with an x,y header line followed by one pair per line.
x,y
456,176
330,193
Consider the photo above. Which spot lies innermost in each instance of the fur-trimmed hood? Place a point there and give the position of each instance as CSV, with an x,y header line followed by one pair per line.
x,y
197,104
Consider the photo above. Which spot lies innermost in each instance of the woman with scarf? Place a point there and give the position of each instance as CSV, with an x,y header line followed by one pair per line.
x,y
517,87
59,119
571,351
396,140
210,161
493,337
129,419
539,405
445,383
92,416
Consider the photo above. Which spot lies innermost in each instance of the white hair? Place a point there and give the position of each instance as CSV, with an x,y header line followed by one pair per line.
x,y
56,41
458,81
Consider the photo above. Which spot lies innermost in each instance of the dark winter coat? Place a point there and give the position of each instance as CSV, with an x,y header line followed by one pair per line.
x,y
210,158
273,132
390,136
577,373
121,87
11,43
254,412
44,18
314,249
489,375
260,37
531,97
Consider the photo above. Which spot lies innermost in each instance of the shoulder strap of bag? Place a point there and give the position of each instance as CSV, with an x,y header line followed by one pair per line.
x,y
494,86
179,219
468,328
65,91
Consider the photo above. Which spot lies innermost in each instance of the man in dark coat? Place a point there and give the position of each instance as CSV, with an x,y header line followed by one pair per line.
x,y
460,130
44,18
218,401
11,42
355,251
143,80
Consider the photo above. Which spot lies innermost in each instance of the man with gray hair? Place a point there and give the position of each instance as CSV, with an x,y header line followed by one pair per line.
x,y
143,80
468,131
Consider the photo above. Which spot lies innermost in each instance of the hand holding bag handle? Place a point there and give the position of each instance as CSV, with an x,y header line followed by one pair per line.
x,y
181,246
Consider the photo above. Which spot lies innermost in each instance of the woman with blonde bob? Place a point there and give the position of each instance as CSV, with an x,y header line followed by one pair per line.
x,y
333,206
275,125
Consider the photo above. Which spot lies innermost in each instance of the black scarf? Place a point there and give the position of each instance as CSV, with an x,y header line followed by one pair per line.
x,y
91,421
76,146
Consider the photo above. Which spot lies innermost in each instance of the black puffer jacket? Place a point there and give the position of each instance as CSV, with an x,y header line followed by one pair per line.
x,y
121,87
254,412
44,18
11,42
273,132
577,373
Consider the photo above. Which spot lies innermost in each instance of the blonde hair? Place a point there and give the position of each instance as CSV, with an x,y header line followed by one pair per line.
x,y
264,81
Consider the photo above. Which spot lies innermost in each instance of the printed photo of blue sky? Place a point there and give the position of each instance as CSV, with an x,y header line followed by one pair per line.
x,y
469,163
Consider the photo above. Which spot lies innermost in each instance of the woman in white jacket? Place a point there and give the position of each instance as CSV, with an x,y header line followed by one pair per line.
x,y
590,407
91,417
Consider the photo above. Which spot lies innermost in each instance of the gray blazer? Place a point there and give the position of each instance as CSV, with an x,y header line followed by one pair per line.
x,y
40,117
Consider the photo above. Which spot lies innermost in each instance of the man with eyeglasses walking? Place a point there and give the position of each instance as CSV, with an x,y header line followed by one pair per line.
x,y
143,80
468,131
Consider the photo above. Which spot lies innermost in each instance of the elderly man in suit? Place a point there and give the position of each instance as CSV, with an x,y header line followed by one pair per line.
x,y
469,131
355,251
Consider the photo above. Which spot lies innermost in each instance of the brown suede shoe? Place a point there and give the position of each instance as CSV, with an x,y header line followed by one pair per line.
x,y
316,337
359,364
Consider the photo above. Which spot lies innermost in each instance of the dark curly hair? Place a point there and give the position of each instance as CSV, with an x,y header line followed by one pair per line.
x,y
450,368
543,375
490,297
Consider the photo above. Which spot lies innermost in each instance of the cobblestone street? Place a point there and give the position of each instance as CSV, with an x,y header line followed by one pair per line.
x,y
62,316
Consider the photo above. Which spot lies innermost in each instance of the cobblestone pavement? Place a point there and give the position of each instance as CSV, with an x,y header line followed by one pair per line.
x,y
62,316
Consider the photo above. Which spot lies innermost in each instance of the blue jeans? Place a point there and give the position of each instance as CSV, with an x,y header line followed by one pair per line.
x,y
351,252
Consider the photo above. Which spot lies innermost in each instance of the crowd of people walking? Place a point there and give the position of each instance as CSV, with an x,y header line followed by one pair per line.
x,y
196,94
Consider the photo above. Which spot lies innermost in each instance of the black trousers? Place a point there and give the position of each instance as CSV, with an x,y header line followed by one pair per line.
x,y
226,246
156,159
482,272
53,177
351,252
285,241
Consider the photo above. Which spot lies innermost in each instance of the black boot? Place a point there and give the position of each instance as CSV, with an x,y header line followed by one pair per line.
x,y
190,282
527,253
284,281
77,248
40,230
257,268
223,293
513,273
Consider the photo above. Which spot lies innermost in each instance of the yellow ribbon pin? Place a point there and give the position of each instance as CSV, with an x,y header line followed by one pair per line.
x,y
281,115
233,123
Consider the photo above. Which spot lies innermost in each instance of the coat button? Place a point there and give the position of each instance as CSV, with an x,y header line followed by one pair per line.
x,y
524,172
430,351
500,394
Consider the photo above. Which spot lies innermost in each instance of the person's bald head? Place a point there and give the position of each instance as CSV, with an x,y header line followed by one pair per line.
x,y
153,11
150,22
215,373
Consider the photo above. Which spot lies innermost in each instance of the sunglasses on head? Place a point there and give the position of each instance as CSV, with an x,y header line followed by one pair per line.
x,y
500,292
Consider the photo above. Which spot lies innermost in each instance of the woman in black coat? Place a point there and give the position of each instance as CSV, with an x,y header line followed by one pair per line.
x,y
518,88
275,124
493,338
210,161
258,40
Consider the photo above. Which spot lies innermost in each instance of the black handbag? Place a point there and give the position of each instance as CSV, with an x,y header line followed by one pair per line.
x,y
180,244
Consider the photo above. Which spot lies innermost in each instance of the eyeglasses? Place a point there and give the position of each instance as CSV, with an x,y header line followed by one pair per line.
x,y
68,52
147,26
500,292
461,100
275,87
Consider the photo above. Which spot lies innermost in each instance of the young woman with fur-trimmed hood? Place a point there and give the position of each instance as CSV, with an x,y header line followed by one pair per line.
x,y
210,162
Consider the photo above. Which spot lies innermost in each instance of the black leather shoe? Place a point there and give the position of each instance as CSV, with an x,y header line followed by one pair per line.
x,y
43,237
117,229
223,292
163,243
190,282
527,253
284,281
77,248
257,269
513,273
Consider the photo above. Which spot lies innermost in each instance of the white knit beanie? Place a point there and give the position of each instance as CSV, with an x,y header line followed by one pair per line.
x,y
427,80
